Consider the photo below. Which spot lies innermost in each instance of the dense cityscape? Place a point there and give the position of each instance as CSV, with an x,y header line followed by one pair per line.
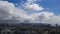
x,y
29,28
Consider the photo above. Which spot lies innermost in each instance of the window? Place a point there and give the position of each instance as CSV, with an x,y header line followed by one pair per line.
x,y
8,33
3,32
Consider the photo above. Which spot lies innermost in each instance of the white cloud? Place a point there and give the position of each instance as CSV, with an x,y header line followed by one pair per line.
x,y
45,17
9,13
32,1
34,7
5,9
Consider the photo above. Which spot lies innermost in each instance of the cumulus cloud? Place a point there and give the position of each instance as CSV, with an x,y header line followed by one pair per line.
x,y
33,1
8,12
11,14
31,5
5,9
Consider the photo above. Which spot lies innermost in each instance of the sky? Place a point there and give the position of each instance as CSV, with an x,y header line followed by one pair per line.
x,y
52,5
30,11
